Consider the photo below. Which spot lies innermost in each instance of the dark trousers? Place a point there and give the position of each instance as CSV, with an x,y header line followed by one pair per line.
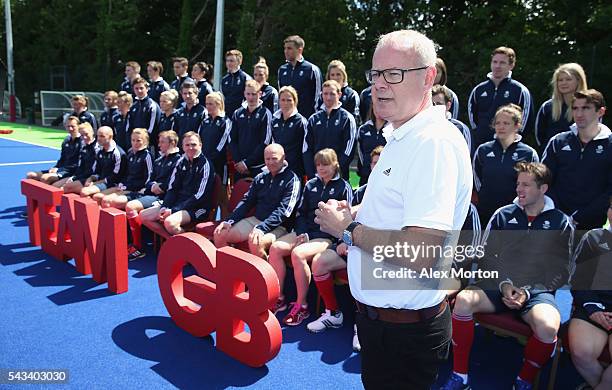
x,y
403,356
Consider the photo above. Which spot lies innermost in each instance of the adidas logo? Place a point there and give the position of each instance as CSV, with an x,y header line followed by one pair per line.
x,y
491,154
484,93
314,189
368,133
318,123
387,172
604,246
567,148
276,125
513,221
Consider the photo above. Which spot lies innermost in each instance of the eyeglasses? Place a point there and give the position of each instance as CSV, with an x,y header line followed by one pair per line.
x,y
391,76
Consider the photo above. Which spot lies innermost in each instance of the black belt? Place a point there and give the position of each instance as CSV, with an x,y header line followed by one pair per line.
x,y
400,316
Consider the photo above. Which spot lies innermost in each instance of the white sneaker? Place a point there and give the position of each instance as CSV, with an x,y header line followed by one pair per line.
x,y
356,344
327,320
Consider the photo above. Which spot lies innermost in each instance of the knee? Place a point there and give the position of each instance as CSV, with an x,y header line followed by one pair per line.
x,y
545,329
297,257
132,206
464,302
98,197
220,235
172,227
319,266
274,250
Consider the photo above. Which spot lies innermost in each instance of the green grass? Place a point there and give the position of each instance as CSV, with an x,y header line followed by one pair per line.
x,y
37,135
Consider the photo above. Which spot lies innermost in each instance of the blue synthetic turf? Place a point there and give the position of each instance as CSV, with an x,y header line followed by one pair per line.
x,y
54,317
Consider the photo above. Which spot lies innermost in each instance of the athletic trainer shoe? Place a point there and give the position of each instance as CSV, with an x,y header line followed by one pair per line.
x,y
279,305
455,382
327,320
356,343
135,254
296,315
520,384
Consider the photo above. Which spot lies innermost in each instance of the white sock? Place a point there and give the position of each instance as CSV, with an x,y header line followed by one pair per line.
x,y
464,377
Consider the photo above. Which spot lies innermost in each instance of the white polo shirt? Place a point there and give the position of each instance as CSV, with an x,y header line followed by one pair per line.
x,y
423,178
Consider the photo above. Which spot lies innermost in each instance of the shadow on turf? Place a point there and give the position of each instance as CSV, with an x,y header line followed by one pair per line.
x,y
185,361
16,214
335,345
47,272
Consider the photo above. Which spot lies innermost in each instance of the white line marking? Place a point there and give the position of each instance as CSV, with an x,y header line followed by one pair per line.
x,y
29,143
26,163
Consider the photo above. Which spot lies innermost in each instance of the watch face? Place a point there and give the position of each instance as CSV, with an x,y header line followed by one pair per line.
x,y
347,237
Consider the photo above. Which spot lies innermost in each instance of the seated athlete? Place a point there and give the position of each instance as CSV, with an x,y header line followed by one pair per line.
x,y
524,241
333,259
109,167
308,240
188,198
85,165
155,189
69,156
274,194
590,329
139,169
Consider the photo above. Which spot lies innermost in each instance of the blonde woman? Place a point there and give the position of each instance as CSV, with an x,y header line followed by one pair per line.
x,y
555,114
214,132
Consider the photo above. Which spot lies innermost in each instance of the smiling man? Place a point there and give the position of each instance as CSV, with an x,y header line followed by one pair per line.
x,y
581,163
417,194
529,243
498,90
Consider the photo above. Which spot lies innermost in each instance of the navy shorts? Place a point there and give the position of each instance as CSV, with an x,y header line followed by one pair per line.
x,y
82,180
102,186
333,247
62,173
146,200
198,215
582,314
544,297
131,195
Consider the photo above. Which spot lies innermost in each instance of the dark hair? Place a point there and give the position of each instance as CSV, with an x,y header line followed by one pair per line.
x,y
507,51
592,96
182,60
296,40
157,66
140,80
443,72
539,170
440,88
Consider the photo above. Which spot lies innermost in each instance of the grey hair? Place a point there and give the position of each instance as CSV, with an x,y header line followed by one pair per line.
x,y
424,47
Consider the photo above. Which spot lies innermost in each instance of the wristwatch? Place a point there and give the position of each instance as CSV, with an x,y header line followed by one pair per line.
x,y
347,234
